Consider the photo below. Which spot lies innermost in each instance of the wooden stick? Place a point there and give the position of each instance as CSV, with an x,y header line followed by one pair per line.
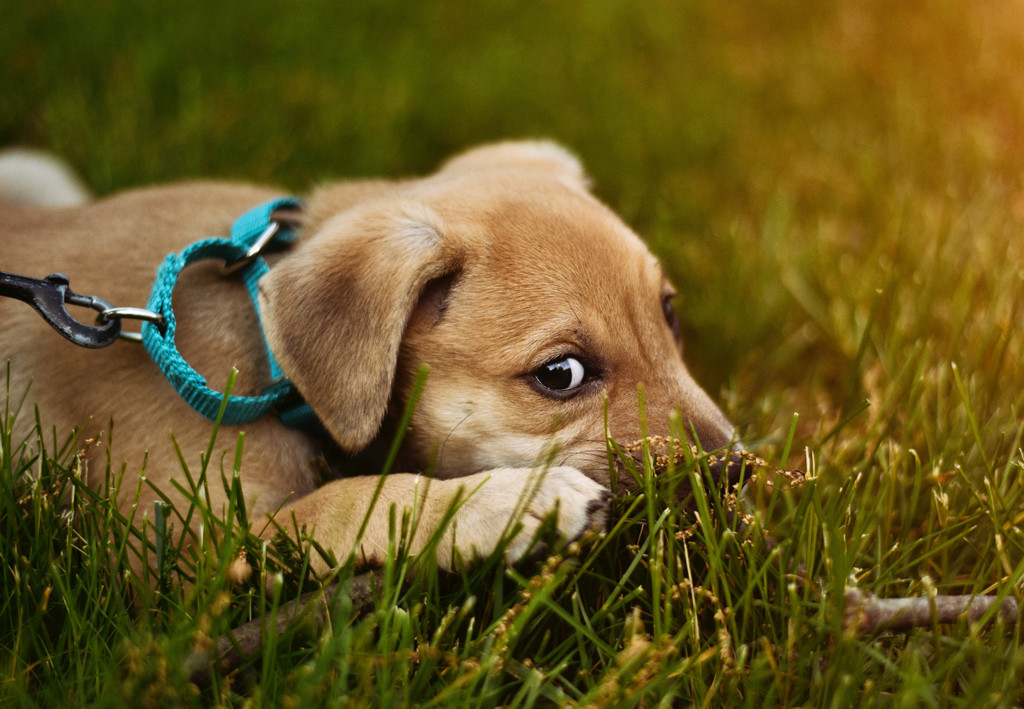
x,y
867,613
246,639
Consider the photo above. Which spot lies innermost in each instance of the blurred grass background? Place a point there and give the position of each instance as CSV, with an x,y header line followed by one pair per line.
x,y
835,188
787,159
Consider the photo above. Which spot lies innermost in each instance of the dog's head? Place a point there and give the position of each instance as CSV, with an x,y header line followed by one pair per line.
x,y
538,312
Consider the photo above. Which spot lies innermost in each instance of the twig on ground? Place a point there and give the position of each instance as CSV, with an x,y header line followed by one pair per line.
x,y
867,613
245,640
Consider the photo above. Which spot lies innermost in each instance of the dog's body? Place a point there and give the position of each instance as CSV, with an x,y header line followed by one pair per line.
x,y
537,311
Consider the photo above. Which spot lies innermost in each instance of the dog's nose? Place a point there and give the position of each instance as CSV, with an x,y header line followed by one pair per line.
x,y
732,465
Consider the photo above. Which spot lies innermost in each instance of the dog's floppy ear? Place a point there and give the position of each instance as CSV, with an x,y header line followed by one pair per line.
x,y
334,311
530,154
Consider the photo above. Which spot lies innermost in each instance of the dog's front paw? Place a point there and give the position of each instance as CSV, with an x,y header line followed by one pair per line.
x,y
519,500
579,503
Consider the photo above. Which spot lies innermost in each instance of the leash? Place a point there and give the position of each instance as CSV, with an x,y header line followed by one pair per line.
x,y
251,234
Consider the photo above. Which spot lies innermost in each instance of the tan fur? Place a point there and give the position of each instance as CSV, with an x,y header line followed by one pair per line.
x,y
497,264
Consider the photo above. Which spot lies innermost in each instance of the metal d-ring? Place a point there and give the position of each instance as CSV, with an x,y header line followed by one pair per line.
x,y
131,314
258,245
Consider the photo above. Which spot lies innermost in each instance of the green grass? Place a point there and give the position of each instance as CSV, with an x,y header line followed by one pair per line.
x,y
837,192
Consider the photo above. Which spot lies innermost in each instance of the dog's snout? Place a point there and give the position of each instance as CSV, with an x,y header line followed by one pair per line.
x,y
713,437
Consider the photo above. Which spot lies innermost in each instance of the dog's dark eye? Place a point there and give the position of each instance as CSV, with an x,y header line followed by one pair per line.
x,y
671,317
562,375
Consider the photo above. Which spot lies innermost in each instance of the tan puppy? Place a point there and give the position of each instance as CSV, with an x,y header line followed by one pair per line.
x,y
535,308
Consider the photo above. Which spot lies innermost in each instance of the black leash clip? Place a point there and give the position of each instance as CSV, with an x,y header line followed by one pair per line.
x,y
50,296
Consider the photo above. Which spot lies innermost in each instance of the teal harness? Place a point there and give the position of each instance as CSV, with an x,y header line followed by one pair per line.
x,y
250,234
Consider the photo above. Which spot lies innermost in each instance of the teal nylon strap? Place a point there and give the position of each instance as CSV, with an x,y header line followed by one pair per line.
x,y
159,338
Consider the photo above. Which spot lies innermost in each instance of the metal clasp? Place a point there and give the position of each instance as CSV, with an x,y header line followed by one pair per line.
x,y
50,296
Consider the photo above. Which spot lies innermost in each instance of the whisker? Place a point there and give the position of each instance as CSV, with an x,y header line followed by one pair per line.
x,y
448,436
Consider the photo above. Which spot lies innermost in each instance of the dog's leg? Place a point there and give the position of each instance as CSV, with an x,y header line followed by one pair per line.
x,y
472,514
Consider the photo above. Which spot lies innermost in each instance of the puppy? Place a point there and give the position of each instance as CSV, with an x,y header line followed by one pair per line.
x,y
536,311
